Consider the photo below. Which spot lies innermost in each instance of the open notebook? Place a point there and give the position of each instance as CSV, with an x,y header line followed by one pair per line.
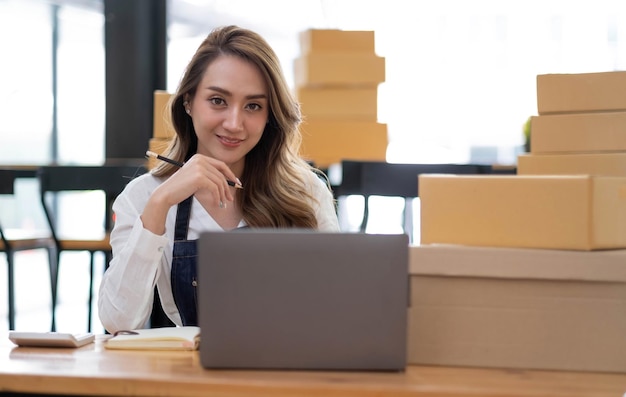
x,y
167,338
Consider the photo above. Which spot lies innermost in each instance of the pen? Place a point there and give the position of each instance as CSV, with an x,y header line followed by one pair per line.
x,y
158,156
179,164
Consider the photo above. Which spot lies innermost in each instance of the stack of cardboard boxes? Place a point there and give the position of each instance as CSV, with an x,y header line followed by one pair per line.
x,y
336,82
162,130
581,127
529,270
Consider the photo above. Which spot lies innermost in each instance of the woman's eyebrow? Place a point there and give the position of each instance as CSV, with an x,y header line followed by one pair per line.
x,y
228,93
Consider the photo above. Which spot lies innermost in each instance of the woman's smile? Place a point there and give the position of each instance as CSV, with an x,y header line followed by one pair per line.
x,y
229,142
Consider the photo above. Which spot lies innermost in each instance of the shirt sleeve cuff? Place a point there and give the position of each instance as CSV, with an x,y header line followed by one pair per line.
x,y
147,244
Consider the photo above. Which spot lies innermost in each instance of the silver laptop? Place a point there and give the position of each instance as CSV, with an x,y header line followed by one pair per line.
x,y
302,300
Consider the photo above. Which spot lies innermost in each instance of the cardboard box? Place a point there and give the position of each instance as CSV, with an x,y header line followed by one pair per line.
x,y
334,40
339,69
608,164
161,127
356,103
576,212
517,308
584,92
578,132
328,142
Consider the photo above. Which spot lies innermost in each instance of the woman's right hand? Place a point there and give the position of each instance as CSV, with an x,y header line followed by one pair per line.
x,y
202,176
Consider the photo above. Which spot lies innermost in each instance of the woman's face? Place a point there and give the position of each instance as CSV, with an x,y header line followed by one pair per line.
x,y
230,110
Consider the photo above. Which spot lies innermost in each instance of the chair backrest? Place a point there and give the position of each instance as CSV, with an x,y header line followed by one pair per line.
x,y
110,179
7,182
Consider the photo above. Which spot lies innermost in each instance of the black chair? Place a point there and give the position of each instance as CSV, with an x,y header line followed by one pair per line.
x,y
56,181
379,178
14,240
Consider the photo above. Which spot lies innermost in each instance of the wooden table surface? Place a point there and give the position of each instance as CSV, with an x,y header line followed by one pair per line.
x,y
92,370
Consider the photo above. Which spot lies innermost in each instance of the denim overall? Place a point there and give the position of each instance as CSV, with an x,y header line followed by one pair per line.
x,y
184,268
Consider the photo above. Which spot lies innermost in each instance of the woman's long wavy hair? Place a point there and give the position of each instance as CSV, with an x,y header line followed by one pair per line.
x,y
275,193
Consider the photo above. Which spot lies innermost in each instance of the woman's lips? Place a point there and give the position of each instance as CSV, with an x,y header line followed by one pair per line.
x,y
231,142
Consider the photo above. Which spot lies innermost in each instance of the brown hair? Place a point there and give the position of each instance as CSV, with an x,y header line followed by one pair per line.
x,y
275,193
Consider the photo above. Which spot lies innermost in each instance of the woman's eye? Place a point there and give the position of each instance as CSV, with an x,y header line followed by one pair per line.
x,y
254,106
216,101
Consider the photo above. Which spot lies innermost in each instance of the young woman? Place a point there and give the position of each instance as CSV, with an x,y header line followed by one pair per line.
x,y
237,139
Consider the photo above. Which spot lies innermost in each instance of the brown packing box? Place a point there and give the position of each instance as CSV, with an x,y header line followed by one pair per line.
x,y
339,69
584,92
608,164
578,132
357,103
577,212
334,40
161,124
158,146
517,308
328,142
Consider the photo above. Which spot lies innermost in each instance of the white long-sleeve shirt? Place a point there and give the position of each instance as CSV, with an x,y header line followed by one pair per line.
x,y
142,259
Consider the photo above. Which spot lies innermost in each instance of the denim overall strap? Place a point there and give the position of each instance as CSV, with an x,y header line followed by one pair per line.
x,y
184,280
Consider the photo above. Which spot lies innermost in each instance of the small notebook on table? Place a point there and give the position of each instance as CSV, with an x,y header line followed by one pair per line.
x,y
166,338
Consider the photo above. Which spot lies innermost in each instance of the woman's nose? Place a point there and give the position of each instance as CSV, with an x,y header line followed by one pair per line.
x,y
233,120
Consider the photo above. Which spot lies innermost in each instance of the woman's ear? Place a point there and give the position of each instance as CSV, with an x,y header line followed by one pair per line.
x,y
186,104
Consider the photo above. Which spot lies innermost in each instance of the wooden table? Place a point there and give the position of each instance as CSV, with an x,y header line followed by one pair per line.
x,y
94,371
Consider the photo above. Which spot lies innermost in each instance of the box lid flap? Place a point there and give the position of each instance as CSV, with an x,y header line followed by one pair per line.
x,y
495,262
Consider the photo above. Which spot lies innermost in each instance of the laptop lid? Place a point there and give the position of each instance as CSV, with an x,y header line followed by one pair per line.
x,y
291,299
